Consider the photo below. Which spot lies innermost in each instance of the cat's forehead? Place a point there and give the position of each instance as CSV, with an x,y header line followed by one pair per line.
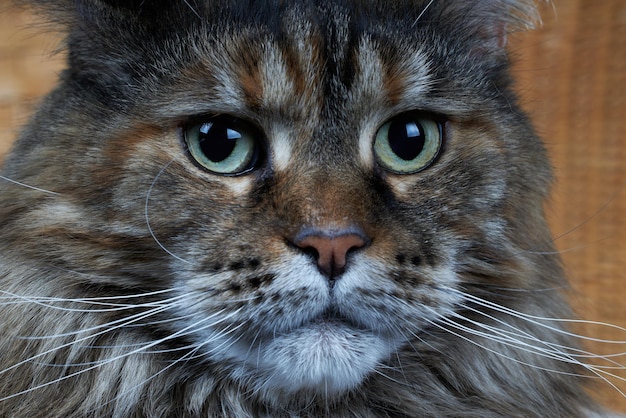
x,y
310,68
281,75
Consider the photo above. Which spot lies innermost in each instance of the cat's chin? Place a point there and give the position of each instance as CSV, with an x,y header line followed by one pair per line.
x,y
326,357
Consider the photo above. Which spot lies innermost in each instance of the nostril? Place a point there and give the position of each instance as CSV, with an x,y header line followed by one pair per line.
x,y
310,250
331,247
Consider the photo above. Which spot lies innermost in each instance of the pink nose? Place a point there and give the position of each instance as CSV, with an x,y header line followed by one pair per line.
x,y
331,247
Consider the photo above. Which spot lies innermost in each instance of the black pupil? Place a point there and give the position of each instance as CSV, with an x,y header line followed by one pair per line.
x,y
217,140
406,138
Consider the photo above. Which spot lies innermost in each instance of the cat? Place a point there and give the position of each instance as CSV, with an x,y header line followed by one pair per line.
x,y
287,209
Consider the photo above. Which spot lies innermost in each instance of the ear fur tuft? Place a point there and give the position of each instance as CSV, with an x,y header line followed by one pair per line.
x,y
492,20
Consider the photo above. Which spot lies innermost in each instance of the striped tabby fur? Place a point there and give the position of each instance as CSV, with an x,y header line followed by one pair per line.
x,y
319,281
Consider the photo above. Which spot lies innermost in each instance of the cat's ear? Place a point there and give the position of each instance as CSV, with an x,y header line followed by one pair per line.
x,y
65,11
108,40
489,22
519,15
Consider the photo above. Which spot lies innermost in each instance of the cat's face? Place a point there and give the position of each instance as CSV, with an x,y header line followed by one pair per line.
x,y
311,191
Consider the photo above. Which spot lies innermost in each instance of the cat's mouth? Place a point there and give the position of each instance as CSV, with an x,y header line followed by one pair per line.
x,y
331,317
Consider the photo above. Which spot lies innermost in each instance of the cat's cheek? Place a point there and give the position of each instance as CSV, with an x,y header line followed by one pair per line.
x,y
396,304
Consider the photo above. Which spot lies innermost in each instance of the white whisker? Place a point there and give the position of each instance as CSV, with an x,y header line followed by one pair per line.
x,y
109,360
501,337
422,12
519,339
107,329
379,372
190,355
119,323
192,9
49,302
536,320
447,321
99,298
523,334
185,357
599,373
147,216
28,186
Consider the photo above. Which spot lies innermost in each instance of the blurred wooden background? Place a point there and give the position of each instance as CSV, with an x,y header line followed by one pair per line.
x,y
572,78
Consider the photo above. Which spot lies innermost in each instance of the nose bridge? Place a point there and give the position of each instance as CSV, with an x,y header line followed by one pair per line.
x,y
335,199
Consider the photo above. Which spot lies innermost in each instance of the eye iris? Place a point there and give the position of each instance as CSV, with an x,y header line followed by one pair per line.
x,y
408,143
406,139
223,145
217,141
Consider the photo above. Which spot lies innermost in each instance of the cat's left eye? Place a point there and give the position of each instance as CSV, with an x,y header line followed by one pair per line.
x,y
408,143
223,145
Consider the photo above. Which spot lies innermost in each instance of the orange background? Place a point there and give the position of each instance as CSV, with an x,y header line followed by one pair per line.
x,y
572,78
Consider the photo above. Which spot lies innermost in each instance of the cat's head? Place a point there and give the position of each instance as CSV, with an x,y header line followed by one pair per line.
x,y
314,184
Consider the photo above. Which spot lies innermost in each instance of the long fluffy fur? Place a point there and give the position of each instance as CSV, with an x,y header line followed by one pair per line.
x,y
136,284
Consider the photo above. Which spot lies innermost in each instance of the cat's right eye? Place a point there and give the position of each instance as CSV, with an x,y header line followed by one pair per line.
x,y
223,144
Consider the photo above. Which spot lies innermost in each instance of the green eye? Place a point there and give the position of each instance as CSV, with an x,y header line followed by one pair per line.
x,y
223,145
408,143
